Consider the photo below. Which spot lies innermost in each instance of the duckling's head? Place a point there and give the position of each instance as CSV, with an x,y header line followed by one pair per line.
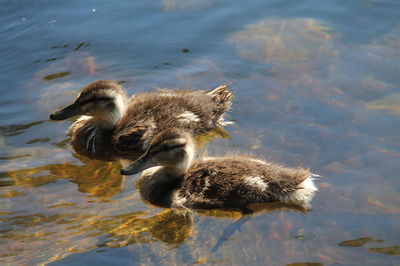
x,y
102,99
173,149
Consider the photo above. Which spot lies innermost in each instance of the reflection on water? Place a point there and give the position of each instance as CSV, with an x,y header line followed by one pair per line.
x,y
13,130
168,226
99,179
310,87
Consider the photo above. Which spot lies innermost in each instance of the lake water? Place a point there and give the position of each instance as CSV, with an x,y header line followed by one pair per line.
x,y
316,84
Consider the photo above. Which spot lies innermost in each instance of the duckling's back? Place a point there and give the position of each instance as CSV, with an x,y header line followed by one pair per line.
x,y
236,181
150,113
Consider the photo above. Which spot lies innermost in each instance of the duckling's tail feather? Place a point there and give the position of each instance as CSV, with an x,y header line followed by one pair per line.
x,y
304,192
222,96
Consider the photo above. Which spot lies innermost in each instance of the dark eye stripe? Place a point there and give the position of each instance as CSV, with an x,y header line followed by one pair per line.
x,y
168,148
94,99
103,99
173,147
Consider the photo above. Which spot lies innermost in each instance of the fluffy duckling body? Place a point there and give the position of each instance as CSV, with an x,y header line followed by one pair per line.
x,y
113,127
230,182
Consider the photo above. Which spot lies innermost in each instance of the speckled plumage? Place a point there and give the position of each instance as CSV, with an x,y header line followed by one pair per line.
x,y
150,113
231,182
114,127
223,181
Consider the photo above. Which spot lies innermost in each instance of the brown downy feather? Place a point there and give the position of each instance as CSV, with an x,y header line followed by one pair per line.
x,y
223,181
223,97
195,111
126,131
231,182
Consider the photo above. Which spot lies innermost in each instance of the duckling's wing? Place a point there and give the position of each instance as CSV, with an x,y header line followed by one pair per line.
x,y
131,139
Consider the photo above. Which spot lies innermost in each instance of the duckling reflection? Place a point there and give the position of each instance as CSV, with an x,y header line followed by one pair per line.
x,y
172,179
112,126
95,178
169,226
175,226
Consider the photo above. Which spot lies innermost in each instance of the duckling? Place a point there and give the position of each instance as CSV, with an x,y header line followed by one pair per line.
x,y
172,178
112,126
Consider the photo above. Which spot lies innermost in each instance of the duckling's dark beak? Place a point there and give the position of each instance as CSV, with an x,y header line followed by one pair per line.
x,y
141,164
67,112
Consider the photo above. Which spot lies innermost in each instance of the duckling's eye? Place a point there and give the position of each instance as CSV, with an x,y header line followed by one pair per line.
x,y
171,147
94,99
166,148
106,99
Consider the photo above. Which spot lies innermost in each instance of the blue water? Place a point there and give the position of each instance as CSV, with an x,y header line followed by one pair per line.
x,y
316,84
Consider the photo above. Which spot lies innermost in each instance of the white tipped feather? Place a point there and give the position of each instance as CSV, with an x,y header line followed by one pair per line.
x,y
304,193
188,117
256,182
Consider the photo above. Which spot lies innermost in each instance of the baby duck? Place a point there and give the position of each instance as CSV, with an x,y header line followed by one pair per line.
x,y
173,179
112,126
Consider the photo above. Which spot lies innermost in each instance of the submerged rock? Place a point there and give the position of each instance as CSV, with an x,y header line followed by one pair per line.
x,y
283,40
390,103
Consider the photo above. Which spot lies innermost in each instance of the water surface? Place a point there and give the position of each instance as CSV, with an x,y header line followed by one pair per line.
x,y
315,85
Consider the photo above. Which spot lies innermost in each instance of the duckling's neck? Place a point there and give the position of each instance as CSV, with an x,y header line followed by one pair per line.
x,y
183,166
157,186
158,183
108,119
121,104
